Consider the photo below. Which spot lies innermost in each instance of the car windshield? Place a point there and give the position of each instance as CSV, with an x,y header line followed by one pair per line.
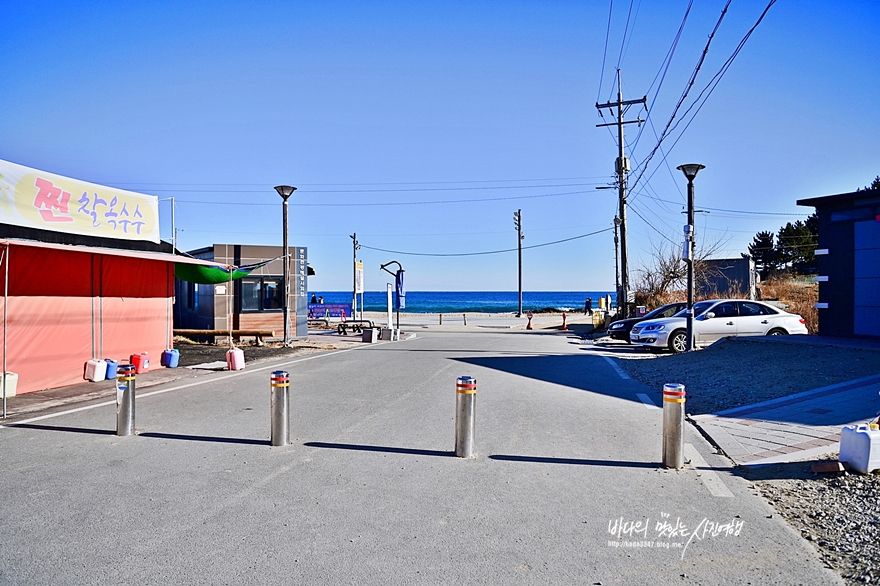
x,y
698,308
656,312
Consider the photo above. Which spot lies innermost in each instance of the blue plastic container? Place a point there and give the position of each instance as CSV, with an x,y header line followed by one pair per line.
x,y
170,358
112,366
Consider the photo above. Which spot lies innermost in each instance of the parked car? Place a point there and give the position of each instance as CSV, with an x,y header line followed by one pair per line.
x,y
620,329
714,320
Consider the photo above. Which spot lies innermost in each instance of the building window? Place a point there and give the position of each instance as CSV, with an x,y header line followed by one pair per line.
x,y
262,294
192,295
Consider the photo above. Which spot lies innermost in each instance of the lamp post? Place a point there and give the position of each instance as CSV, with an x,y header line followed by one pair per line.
x,y
285,191
690,171
517,223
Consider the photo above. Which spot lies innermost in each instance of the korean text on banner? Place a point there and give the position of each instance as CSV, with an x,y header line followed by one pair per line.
x,y
36,199
359,277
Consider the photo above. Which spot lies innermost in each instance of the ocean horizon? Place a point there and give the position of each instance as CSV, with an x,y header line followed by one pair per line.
x,y
472,301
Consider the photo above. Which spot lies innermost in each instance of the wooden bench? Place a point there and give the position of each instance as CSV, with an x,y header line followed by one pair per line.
x,y
258,334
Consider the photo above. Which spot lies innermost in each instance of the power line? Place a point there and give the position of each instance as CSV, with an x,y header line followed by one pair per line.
x,y
486,252
667,61
622,44
713,83
390,203
684,94
407,190
605,52
267,186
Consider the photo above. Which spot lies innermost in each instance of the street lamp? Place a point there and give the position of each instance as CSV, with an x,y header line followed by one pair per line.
x,y
285,191
690,171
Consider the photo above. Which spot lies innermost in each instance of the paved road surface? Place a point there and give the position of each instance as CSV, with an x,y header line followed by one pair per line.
x,y
566,487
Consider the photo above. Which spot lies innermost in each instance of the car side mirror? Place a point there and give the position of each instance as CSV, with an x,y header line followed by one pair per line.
x,y
709,315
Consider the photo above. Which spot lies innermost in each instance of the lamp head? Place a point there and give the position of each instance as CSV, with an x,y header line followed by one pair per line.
x,y
690,170
285,191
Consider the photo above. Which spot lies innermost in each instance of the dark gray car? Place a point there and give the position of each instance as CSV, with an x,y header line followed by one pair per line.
x,y
620,329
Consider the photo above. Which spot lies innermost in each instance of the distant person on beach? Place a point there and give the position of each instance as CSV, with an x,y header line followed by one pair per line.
x,y
588,306
321,300
314,299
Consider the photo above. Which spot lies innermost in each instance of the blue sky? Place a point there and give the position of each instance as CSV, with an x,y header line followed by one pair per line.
x,y
376,111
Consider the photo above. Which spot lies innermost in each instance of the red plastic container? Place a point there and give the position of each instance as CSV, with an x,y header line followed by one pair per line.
x,y
141,362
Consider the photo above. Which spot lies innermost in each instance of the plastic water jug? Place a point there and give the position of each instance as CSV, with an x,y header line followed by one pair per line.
x,y
95,370
112,368
141,362
170,358
235,359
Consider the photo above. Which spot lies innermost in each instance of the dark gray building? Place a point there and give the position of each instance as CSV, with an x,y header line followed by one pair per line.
x,y
254,302
729,277
848,261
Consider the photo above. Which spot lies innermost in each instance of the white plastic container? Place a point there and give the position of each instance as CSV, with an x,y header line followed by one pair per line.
x,y
11,384
95,370
235,359
860,448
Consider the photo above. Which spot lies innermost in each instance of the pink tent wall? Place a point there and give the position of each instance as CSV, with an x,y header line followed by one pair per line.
x,y
65,307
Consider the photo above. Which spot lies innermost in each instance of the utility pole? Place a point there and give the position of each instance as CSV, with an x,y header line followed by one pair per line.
x,y
354,295
517,223
622,168
616,266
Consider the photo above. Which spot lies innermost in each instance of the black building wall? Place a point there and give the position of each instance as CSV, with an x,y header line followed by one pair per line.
x,y
843,312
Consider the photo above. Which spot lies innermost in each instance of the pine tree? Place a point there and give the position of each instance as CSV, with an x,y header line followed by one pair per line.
x,y
763,250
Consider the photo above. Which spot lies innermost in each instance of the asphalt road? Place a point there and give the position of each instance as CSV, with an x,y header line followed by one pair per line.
x,y
566,486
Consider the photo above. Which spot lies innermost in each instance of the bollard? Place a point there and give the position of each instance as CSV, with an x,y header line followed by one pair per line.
x,y
564,327
465,406
278,406
125,382
441,319
464,318
673,422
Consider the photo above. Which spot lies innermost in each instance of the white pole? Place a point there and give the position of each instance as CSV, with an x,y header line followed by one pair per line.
x,y
5,321
390,322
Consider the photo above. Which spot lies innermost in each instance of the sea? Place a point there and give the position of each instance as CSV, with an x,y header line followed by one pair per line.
x,y
472,301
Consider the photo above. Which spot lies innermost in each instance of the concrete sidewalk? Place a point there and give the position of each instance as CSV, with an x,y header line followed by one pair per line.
x,y
792,428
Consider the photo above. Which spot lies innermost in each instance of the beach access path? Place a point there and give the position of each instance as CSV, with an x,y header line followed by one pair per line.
x,y
566,486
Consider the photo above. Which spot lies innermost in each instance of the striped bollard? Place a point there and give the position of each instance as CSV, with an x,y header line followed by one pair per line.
x,y
673,422
278,404
465,406
125,382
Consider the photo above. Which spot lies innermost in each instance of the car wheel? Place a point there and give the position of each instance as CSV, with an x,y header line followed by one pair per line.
x,y
777,332
678,341
628,341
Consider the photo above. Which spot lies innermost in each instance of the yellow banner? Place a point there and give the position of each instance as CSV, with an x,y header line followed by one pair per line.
x,y
37,199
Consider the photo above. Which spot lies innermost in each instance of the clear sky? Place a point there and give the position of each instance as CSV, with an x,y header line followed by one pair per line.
x,y
422,126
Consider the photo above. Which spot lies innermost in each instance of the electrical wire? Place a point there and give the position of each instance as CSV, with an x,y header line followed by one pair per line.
x,y
390,203
710,87
605,52
485,252
644,164
407,190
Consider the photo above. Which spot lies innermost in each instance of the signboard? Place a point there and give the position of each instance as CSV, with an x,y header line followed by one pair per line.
x,y
36,199
400,287
327,310
359,277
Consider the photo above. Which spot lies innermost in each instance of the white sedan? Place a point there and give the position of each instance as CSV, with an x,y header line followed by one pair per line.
x,y
717,319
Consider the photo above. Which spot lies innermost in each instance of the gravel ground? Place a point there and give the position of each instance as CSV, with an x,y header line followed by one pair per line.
x,y
839,514
742,371
192,353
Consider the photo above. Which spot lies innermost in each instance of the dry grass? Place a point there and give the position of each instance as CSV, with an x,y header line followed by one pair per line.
x,y
800,296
